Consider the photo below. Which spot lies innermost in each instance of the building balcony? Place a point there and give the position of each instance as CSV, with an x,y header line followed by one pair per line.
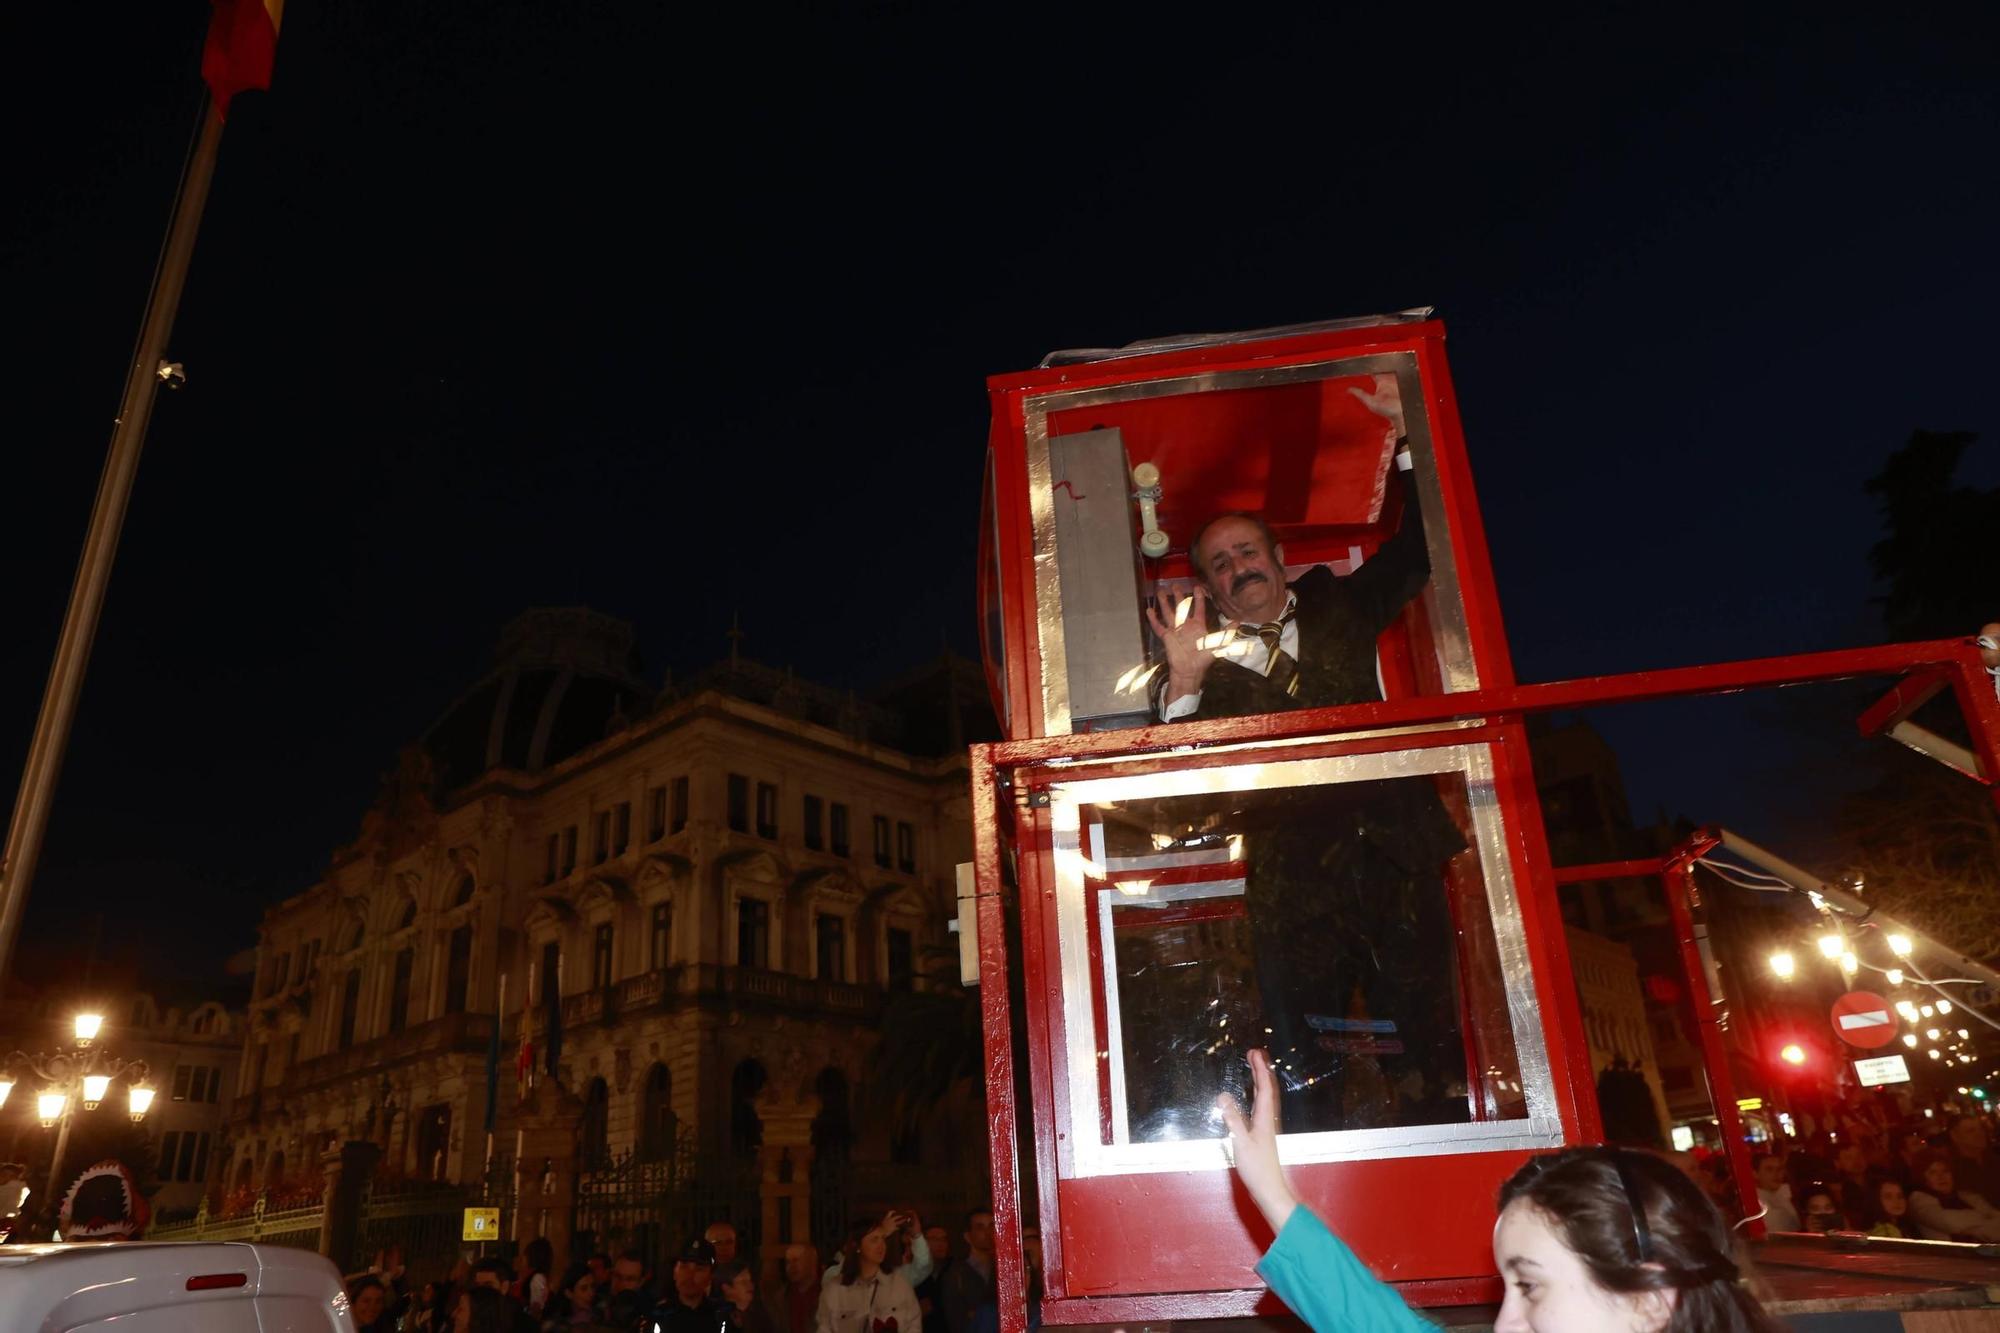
x,y
707,985
465,1034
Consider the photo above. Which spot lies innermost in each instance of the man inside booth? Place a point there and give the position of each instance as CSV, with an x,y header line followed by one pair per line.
x,y
1345,889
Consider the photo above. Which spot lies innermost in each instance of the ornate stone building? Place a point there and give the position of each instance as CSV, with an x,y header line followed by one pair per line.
x,y
717,886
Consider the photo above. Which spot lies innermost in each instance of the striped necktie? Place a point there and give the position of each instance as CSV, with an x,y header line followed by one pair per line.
x,y
1279,667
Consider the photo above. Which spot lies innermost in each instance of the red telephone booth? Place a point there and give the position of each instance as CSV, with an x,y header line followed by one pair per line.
x,y
1375,907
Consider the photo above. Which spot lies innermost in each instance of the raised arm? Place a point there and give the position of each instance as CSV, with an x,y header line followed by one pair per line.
x,y
1307,1265
1400,567
1253,1144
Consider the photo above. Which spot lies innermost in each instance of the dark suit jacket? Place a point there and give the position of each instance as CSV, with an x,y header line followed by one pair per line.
x,y
1339,620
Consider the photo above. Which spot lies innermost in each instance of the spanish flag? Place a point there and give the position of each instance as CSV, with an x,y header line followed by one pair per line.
x,y
241,47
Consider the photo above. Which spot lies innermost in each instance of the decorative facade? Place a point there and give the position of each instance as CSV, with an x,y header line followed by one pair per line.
x,y
717,887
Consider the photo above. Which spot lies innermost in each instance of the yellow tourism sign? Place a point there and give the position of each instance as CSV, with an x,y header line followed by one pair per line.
x,y
482,1224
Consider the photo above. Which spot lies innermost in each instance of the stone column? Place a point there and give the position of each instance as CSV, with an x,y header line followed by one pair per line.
x,y
347,1169
786,1159
545,1200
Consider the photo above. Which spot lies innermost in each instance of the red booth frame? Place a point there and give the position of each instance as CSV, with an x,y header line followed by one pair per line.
x,y
1014,771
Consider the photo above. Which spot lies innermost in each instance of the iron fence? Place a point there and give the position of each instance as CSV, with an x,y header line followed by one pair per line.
x,y
297,1226
654,1203
845,1192
424,1222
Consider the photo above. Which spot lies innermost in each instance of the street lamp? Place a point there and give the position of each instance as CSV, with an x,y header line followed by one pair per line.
x,y
68,1077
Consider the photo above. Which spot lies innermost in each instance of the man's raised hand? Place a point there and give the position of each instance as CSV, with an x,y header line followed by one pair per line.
x,y
1181,628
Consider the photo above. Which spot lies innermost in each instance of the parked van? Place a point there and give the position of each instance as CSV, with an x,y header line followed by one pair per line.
x,y
169,1287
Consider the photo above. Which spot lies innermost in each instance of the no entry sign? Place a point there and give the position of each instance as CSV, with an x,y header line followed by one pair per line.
x,y
1864,1019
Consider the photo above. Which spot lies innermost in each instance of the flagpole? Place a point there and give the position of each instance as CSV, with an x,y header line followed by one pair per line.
x,y
30,819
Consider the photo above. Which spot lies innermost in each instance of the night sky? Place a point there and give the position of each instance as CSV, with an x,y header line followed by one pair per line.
x,y
510,304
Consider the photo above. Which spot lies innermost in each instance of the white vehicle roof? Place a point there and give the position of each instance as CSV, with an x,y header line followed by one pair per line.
x,y
169,1287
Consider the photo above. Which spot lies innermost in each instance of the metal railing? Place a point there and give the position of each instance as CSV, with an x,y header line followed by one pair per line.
x,y
455,1033
655,1203
698,981
297,1226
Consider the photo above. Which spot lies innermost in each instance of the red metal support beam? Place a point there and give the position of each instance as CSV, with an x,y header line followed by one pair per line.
x,y
1678,877
1978,695
1002,1145
1960,657
1905,697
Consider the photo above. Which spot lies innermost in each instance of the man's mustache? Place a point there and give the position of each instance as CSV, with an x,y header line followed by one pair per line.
x,y
1245,580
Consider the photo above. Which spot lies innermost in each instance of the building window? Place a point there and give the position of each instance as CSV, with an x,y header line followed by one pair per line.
x,y
906,847
621,827
753,932
830,937
183,1156
837,835
902,959
183,1076
600,837
350,1007
433,1140
814,817
656,814
553,865
660,947
657,1126
551,982
600,957
767,810
746,1127
569,849
739,803
678,810
399,990
458,970
882,841
281,973
593,1133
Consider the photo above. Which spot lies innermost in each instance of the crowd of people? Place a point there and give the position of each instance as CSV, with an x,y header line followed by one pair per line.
x,y
890,1274
1587,1238
1909,1180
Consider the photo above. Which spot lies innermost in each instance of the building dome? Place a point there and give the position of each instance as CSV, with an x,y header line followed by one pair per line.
x,y
562,679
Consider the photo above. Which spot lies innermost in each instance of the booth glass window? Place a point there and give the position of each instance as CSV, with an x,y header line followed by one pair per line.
x,y
1311,451
1353,916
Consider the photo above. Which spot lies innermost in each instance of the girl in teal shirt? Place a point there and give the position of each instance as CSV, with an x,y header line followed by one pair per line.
x,y
1589,1240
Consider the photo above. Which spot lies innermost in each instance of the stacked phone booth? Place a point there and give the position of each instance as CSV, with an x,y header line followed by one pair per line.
x,y
1168,875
